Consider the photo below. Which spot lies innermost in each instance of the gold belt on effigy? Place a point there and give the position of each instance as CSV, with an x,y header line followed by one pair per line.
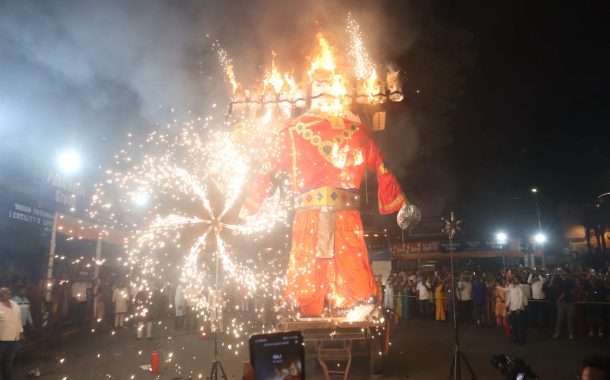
x,y
328,197
328,200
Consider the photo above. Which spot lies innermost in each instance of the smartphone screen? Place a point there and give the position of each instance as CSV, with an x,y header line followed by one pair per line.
x,y
279,356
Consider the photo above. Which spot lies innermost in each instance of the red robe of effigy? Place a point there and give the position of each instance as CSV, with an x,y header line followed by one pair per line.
x,y
326,159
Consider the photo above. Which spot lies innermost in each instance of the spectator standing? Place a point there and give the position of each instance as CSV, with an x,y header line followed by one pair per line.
x,y
388,292
565,306
551,291
439,299
10,332
80,300
148,311
516,304
409,289
538,306
22,300
500,310
479,300
142,315
120,300
179,307
424,298
525,286
464,295
490,312
596,295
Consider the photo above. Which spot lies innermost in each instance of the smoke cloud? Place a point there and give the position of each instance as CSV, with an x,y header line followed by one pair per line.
x,y
85,72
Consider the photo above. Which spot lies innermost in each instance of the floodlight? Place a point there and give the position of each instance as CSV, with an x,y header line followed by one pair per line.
x,y
540,238
501,237
69,162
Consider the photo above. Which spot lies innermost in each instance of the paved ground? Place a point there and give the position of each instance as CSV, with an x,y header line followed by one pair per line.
x,y
421,350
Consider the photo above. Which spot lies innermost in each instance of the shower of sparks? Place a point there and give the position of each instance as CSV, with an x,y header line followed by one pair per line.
x,y
177,194
363,67
368,82
226,63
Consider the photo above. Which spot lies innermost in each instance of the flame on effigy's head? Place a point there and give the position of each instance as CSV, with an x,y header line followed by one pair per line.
x,y
328,87
325,59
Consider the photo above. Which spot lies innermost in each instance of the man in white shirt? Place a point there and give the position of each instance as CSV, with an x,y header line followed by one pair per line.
x,y
538,306
464,296
10,332
424,297
22,300
516,304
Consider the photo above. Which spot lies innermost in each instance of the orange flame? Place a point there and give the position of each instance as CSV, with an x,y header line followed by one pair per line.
x,y
326,81
274,78
325,59
371,87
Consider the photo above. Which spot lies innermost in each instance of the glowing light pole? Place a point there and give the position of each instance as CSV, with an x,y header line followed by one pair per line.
x,y
69,162
535,192
598,204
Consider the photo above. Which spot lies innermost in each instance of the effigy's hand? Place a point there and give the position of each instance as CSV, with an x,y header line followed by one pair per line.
x,y
408,216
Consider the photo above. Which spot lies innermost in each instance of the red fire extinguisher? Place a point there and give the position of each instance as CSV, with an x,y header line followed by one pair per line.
x,y
155,361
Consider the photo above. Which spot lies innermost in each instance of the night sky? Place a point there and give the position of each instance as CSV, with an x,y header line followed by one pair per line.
x,y
501,96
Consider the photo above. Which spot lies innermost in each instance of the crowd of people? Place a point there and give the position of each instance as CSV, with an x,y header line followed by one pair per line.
x,y
514,299
31,315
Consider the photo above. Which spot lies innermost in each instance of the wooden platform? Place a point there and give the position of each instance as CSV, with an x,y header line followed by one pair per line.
x,y
325,329
335,341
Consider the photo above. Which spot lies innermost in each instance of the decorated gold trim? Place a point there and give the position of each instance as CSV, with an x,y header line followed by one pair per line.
x,y
325,147
327,196
293,153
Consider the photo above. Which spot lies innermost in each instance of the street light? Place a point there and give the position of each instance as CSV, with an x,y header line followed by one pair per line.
x,y
540,238
69,162
534,191
501,237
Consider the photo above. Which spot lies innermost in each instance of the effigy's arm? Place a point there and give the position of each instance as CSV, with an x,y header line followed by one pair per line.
x,y
390,197
258,189
261,182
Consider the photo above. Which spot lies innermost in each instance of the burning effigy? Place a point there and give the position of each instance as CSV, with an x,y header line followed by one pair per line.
x,y
324,149
192,196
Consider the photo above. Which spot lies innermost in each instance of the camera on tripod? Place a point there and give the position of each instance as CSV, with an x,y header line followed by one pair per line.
x,y
513,368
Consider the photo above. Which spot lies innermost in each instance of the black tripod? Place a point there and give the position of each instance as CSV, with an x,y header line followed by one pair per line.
x,y
216,364
452,226
217,368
